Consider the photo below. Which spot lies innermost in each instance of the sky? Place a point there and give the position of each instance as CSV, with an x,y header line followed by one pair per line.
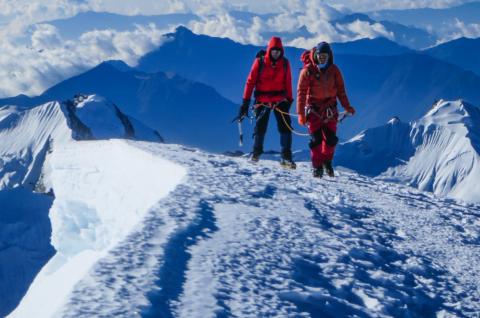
x,y
34,56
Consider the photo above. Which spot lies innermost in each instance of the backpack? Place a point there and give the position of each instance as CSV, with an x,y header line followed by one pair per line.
x,y
307,63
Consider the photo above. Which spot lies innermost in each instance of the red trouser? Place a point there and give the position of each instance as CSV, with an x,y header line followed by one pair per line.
x,y
324,139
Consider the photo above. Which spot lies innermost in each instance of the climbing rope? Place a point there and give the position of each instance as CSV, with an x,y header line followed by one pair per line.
x,y
341,116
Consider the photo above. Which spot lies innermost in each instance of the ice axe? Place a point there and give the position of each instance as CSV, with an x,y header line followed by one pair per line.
x,y
239,120
343,115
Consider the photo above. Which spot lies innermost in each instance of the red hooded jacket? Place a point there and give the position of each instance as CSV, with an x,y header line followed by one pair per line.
x,y
274,83
320,88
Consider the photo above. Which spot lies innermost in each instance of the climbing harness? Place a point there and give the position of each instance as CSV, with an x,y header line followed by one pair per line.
x,y
274,106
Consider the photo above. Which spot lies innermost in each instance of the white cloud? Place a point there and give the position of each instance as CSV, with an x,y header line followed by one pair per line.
x,y
135,7
45,36
32,69
362,29
471,30
224,25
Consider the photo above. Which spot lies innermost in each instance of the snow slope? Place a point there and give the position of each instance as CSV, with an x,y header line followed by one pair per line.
x,y
439,152
27,135
242,240
102,190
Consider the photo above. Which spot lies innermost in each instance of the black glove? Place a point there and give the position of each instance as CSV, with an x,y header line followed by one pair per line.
x,y
243,111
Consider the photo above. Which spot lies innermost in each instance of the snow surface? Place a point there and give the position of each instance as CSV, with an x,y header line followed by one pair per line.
x,y
242,240
439,152
102,190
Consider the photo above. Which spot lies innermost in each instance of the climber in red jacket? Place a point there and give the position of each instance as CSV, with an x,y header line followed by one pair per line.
x,y
271,78
319,86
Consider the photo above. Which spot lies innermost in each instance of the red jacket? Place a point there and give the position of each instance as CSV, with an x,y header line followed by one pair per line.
x,y
320,88
274,83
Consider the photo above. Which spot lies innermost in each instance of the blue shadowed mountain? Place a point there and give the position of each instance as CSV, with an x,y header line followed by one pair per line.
x,y
74,27
375,47
462,52
379,86
183,111
409,36
438,21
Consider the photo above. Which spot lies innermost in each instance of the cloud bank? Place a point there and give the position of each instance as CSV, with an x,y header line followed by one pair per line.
x,y
32,69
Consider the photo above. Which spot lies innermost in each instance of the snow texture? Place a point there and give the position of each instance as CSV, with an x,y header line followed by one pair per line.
x,y
98,201
242,240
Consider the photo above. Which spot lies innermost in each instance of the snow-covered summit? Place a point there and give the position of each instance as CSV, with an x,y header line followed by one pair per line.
x,y
440,152
27,133
456,116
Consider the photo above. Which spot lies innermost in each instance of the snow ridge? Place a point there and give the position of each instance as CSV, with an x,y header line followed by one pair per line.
x,y
28,137
98,201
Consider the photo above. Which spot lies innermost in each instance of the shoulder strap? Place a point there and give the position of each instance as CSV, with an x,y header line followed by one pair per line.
x,y
261,64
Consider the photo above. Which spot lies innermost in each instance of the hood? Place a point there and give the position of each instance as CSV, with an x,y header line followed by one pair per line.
x,y
274,42
308,56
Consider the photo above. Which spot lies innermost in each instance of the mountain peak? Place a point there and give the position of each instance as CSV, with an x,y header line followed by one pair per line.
x,y
181,31
452,113
395,120
119,65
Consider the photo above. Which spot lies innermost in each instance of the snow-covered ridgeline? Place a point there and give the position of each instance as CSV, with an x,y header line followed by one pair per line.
x,y
27,135
24,135
439,152
102,190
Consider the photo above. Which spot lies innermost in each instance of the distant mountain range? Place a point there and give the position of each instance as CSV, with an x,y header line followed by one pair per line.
x,y
439,22
409,36
406,34
379,86
183,87
74,27
183,111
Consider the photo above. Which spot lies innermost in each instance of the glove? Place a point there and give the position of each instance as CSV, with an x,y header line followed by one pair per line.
x,y
350,109
302,120
243,111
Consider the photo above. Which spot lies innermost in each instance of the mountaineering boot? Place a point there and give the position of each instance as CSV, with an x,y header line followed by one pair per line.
x,y
318,172
329,168
287,160
288,163
255,158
